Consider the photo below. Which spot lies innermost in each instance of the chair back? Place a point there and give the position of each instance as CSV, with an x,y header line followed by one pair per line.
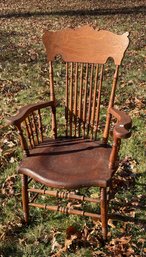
x,y
89,83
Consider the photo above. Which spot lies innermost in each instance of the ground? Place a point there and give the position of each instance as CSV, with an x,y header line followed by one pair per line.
x,y
23,79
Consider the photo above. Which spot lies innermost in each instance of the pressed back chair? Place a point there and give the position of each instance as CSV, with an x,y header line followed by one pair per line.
x,y
78,159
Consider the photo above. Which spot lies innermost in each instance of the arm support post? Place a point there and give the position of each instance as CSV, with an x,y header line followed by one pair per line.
x,y
121,130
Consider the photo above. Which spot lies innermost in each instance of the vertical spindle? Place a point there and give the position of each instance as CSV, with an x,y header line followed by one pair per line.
x,y
52,98
23,141
94,101
40,126
85,100
90,97
31,130
28,134
75,97
66,100
34,121
99,100
80,98
71,97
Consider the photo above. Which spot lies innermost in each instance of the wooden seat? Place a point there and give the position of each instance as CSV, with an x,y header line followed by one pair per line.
x,y
75,158
80,154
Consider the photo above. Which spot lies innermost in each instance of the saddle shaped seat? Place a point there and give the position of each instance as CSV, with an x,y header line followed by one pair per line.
x,y
81,162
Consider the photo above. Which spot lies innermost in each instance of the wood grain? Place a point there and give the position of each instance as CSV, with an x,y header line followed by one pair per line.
x,y
85,45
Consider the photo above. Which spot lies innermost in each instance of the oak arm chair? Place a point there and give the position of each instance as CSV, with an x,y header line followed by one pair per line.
x,y
77,159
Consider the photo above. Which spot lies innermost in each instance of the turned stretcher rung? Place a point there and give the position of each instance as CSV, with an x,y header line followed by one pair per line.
x,y
66,210
64,195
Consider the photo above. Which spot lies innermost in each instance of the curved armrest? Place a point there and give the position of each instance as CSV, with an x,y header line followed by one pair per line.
x,y
121,129
23,112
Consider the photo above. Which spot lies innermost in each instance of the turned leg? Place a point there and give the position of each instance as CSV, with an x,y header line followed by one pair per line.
x,y
25,197
103,207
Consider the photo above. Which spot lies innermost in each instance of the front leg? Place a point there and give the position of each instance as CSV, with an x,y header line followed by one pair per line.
x,y
25,198
104,211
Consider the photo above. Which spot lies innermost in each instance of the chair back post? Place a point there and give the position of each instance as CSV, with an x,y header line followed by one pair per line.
x,y
111,103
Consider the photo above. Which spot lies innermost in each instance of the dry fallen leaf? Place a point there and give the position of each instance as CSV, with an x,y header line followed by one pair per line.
x,y
54,244
9,185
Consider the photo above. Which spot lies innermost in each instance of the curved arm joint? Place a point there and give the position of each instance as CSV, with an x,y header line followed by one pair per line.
x,y
124,123
23,112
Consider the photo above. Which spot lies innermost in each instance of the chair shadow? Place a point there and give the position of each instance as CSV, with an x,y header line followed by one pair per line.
x,y
138,202
99,12
55,153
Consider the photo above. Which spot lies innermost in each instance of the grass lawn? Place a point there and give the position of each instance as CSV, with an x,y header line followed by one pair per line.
x,y
24,79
